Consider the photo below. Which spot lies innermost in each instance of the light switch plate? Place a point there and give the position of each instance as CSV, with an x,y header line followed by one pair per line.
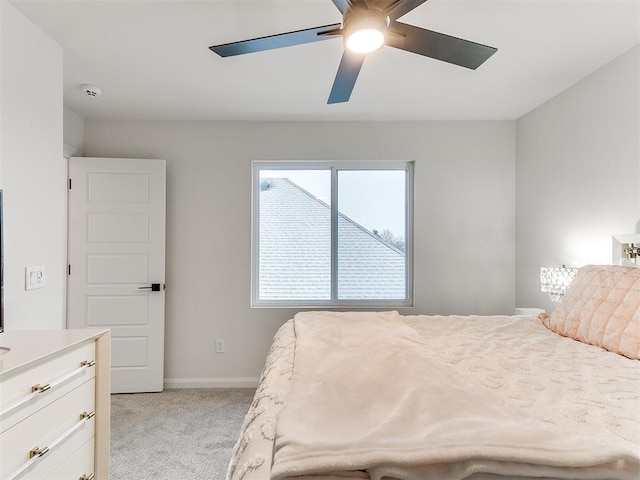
x,y
34,278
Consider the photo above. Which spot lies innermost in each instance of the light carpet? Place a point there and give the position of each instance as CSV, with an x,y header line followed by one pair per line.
x,y
176,434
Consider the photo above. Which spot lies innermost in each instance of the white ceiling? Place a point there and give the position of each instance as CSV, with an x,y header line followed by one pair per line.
x,y
151,58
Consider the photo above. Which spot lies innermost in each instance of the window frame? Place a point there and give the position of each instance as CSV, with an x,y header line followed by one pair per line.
x,y
334,167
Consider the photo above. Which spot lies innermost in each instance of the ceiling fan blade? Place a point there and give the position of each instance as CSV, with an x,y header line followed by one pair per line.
x,y
343,5
279,40
438,45
402,7
346,77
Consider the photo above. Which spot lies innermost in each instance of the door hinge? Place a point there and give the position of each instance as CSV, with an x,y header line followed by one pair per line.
x,y
69,184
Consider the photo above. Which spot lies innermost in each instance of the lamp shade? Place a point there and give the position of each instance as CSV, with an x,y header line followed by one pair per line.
x,y
556,280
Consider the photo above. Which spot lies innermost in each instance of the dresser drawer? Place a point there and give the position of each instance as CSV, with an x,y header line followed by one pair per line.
x,y
31,389
78,465
59,427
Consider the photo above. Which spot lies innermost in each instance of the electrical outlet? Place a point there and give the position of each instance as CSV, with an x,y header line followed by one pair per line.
x,y
219,345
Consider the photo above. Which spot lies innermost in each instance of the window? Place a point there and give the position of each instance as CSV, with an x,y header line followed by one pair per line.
x,y
332,234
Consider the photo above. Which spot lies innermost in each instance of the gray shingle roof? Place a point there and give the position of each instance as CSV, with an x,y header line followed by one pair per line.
x,y
295,251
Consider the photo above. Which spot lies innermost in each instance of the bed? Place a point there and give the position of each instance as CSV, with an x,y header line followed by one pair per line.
x,y
378,395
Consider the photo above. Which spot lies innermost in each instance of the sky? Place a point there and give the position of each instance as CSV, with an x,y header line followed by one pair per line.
x,y
373,198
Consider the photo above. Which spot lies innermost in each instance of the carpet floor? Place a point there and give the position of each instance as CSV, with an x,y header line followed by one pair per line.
x,y
176,434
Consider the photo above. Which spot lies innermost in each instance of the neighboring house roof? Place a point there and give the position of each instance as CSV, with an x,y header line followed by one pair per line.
x,y
295,251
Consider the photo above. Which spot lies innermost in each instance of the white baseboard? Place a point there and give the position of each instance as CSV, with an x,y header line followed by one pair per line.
x,y
211,382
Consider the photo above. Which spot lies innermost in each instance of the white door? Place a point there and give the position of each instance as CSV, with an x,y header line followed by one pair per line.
x,y
116,247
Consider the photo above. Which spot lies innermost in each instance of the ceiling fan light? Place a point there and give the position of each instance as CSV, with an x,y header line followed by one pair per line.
x,y
364,30
366,40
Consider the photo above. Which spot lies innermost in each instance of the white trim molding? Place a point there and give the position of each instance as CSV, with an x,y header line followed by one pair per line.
x,y
248,382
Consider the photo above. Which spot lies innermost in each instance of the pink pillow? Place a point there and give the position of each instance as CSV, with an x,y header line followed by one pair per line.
x,y
601,307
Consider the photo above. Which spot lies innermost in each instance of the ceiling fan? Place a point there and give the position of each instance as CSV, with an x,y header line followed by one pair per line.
x,y
366,26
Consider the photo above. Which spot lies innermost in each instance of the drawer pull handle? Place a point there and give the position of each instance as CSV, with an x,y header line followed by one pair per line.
x,y
87,477
38,389
87,416
36,453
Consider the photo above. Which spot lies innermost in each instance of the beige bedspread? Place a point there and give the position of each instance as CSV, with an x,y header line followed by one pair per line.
x,y
439,397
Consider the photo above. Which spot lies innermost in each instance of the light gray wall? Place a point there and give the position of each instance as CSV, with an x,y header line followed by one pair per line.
x,y
33,171
464,221
73,133
578,175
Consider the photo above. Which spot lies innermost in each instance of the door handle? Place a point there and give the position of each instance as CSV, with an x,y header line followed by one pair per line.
x,y
155,287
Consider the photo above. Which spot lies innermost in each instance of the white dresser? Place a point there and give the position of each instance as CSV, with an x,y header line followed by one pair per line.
x,y
55,405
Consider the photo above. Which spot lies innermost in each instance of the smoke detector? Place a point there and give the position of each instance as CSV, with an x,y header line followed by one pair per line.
x,y
91,90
